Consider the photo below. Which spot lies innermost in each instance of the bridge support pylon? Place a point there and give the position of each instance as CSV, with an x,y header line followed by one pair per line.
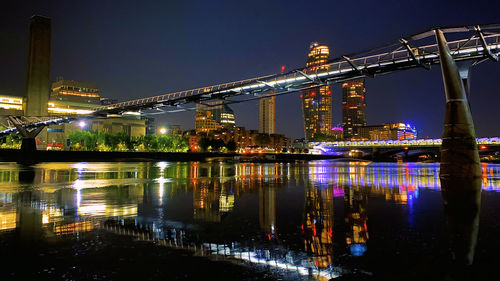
x,y
28,144
460,170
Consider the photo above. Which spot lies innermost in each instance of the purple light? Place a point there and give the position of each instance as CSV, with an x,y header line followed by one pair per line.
x,y
337,129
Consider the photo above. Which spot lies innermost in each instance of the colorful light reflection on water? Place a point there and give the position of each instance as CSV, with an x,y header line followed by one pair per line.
x,y
142,200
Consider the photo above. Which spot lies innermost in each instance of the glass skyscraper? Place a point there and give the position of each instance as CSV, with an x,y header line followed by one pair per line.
x,y
214,116
353,107
317,102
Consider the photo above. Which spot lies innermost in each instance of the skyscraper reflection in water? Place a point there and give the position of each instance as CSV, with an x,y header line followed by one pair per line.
x,y
317,224
356,216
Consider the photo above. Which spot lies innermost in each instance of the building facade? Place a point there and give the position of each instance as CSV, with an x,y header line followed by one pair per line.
x,y
75,98
70,97
11,105
267,115
214,116
150,125
353,107
389,131
317,103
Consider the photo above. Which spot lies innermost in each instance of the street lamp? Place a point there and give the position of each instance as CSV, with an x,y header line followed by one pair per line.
x,y
163,131
81,124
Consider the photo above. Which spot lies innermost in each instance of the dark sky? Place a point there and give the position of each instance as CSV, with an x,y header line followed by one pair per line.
x,y
135,49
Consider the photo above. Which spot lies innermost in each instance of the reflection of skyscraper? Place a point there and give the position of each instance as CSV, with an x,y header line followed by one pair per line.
x,y
318,224
38,81
206,201
267,115
267,209
214,116
356,202
317,103
353,107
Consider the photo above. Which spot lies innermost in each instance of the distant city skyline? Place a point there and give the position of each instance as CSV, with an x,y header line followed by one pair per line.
x,y
188,45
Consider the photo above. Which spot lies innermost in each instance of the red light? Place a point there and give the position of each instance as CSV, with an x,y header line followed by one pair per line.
x,y
329,92
282,68
482,147
301,96
313,94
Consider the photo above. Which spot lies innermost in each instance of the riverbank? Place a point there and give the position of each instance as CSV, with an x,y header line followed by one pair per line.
x,y
101,255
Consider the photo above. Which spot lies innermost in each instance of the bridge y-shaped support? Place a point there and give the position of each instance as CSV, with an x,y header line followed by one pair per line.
x,y
460,171
28,145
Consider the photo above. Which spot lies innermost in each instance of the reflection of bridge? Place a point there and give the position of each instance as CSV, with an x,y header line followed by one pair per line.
x,y
474,45
278,257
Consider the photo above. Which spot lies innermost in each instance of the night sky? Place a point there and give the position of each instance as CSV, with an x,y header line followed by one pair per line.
x,y
134,49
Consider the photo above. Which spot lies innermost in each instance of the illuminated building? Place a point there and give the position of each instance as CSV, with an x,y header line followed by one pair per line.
x,y
278,142
11,105
353,107
38,82
390,131
204,121
267,115
337,133
74,98
193,141
213,116
317,102
175,130
318,55
70,97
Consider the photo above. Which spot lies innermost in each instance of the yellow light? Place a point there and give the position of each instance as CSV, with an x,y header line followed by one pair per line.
x,y
11,106
69,111
131,113
81,94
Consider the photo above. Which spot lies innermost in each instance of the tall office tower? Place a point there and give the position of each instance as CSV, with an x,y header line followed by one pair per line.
x,y
214,116
317,103
353,107
267,115
38,80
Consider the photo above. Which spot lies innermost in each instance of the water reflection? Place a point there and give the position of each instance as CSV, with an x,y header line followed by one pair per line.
x,y
212,208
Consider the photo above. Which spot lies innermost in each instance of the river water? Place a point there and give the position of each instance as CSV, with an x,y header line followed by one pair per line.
x,y
293,221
